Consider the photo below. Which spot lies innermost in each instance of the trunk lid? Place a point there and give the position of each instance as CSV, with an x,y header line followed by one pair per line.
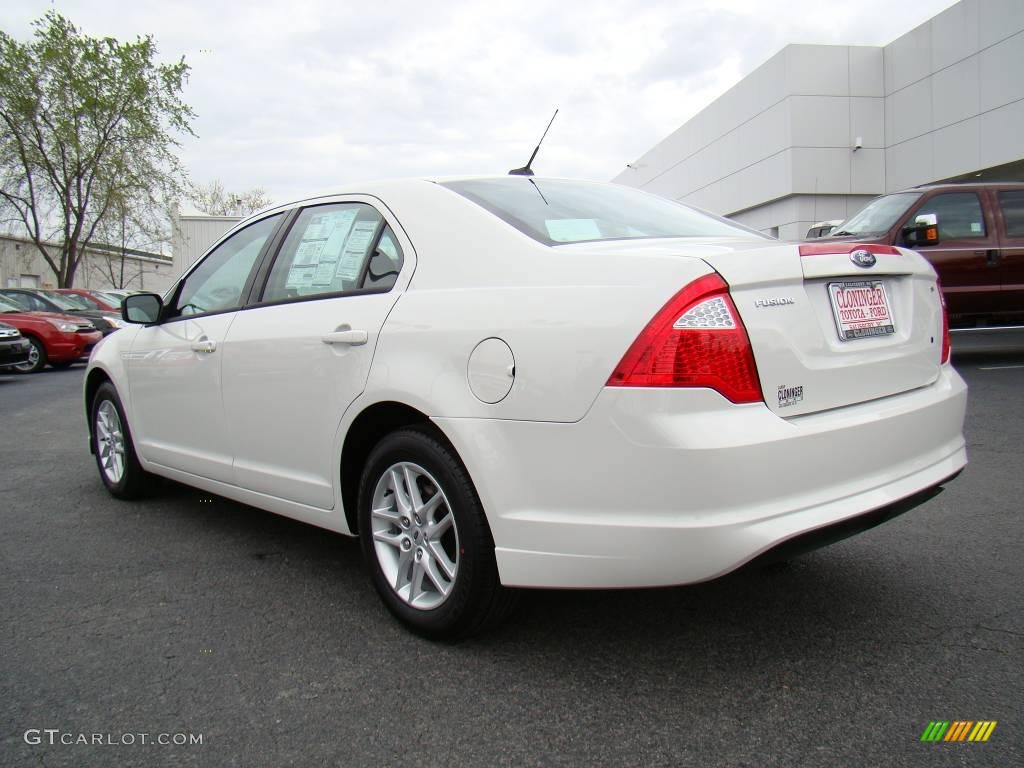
x,y
794,306
784,301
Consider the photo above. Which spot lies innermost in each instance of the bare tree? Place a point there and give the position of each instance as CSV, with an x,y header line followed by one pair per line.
x,y
213,200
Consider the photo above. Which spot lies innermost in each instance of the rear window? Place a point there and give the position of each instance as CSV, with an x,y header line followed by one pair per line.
x,y
555,212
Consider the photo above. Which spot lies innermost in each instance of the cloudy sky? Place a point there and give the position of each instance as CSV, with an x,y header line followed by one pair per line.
x,y
298,95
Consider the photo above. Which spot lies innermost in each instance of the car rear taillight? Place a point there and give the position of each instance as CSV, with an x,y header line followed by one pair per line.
x,y
696,340
946,346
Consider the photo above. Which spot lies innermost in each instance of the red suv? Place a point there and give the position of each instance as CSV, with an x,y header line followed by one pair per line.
x,y
973,234
59,340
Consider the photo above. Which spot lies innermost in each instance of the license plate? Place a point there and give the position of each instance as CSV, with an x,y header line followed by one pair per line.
x,y
861,309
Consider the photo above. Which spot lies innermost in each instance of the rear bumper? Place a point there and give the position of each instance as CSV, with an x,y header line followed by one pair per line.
x,y
663,487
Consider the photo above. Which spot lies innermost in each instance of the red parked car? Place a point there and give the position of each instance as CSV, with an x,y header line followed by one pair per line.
x,y
57,339
89,299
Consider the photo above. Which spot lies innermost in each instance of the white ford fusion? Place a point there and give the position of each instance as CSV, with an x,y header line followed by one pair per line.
x,y
516,382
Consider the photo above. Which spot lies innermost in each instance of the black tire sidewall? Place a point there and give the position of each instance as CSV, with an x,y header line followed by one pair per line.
x,y
129,486
477,575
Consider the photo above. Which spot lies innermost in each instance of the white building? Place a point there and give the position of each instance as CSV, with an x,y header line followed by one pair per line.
x,y
818,130
102,266
192,235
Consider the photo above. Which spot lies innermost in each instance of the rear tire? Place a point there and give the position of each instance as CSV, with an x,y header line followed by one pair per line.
x,y
425,538
36,357
112,445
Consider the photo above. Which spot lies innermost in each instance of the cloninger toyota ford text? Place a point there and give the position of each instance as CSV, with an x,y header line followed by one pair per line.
x,y
526,382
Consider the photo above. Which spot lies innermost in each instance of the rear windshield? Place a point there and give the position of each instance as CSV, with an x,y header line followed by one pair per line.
x,y
556,212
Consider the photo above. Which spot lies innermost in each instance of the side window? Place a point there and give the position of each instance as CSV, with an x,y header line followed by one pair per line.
x,y
334,248
959,215
217,283
385,263
1012,204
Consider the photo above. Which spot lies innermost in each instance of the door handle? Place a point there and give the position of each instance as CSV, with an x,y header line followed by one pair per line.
x,y
355,338
204,345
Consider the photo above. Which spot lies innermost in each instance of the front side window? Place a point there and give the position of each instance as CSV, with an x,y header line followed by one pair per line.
x,y
217,284
1012,204
554,212
959,215
336,248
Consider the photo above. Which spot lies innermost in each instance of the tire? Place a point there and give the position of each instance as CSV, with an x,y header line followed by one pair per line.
x,y
111,436
36,357
403,543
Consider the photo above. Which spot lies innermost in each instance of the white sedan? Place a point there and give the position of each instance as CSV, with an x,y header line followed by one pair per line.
x,y
523,382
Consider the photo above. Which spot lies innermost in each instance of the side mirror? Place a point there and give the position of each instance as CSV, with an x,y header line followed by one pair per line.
x,y
142,308
924,230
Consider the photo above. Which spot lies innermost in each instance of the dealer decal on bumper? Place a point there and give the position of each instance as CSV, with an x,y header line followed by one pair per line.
x,y
790,395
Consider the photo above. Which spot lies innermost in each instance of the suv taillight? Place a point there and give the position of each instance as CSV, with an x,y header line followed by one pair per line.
x,y
696,340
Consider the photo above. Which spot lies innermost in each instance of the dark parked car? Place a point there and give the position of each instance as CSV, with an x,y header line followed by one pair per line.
x,y
973,234
57,339
14,348
87,299
41,300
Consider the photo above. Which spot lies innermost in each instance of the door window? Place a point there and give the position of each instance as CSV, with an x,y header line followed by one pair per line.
x,y
218,283
1012,204
959,215
335,249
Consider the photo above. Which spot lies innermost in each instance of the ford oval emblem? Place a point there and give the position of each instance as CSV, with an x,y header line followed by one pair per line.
x,y
863,258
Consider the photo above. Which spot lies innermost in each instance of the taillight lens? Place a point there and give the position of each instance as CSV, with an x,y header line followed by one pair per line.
x,y
696,340
946,346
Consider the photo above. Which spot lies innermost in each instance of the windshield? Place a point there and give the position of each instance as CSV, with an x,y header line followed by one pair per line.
x,y
61,300
79,301
9,305
554,212
110,298
878,216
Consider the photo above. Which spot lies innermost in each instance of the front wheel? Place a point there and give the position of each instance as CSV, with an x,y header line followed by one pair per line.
x,y
36,358
112,445
426,540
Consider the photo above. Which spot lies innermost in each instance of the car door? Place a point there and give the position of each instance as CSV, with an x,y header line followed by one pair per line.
x,y
1010,211
967,254
174,368
298,356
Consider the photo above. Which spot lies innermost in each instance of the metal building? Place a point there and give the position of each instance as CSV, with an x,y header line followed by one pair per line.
x,y
818,130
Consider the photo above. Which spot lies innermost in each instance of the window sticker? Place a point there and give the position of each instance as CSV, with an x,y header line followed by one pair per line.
x,y
975,226
355,250
571,230
320,249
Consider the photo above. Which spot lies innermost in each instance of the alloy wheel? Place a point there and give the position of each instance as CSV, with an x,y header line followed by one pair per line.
x,y
415,537
110,441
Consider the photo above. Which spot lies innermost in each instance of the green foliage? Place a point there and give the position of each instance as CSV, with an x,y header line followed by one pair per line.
x,y
87,125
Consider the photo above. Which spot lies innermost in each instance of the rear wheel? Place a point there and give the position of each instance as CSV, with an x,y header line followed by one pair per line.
x,y
425,538
36,358
112,445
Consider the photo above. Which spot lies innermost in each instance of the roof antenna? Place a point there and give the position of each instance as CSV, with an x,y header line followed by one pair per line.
x,y
526,170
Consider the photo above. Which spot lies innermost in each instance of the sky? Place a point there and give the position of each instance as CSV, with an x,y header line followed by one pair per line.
x,y
301,96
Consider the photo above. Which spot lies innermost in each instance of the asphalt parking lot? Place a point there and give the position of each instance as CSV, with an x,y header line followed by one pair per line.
x,y
191,614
